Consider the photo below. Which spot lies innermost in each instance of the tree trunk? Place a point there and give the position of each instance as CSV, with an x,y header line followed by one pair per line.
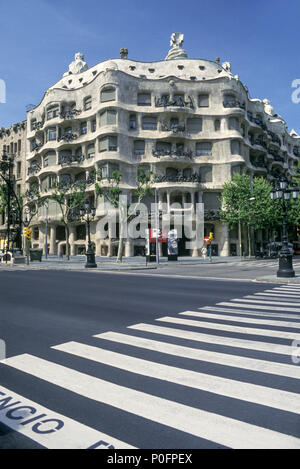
x,y
122,229
67,242
240,238
249,242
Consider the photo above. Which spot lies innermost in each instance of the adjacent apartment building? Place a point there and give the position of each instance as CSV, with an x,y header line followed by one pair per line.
x,y
190,121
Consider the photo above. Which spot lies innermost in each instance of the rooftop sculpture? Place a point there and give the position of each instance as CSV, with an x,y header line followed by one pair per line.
x,y
177,52
77,66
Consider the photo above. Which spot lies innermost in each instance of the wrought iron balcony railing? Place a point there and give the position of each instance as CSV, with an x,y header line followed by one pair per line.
x,y
70,159
177,101
68,115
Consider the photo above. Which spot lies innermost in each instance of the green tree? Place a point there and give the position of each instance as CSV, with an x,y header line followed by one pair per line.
x,y
109,189
248,203
68,196
235,203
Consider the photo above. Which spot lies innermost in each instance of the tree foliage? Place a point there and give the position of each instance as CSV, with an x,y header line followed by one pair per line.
x,y
109,189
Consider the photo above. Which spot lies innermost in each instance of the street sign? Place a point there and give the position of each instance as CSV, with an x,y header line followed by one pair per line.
x,y
206,239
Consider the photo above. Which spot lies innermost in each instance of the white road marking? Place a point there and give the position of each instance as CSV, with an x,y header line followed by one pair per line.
x,y
293,293
253,364
244,312
224,327
258,306
277,295
248,392
34,420
257,321
267,302
223,430
211,339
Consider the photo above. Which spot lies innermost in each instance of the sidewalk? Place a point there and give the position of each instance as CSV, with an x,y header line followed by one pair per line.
x,y
109,263
275,279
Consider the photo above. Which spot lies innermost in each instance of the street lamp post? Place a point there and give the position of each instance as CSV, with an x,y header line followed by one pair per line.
x,y
88,213
284,193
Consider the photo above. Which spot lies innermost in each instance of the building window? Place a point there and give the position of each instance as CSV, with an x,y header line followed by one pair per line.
x,y
171,174
94,125
139,147
203,100
132,121
87,103
203,148
49,159
206,174
217,125
91,150
108,117
108,94
108,169
233,123
236,170
149,123
144,99
83,128
51,134
163,148
19,164
194,125
109,143
211,200
235,147
52,112
229,100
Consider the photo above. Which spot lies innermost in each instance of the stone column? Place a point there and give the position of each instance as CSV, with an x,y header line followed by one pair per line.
x,y
42,237
224,241
168,200
52,240
129,248
193,201
72,237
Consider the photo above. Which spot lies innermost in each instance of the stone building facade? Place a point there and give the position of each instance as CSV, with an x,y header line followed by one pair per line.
x,y
13,144
190,121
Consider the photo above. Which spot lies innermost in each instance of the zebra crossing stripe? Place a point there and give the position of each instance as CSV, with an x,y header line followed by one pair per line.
x,y
211,339
213,427
244,312
253,364
278,295
224,327
257,321
281,303
259,306
48,428
287,292
248,392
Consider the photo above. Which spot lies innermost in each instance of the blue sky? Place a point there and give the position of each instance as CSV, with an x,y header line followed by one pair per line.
x,y
40,37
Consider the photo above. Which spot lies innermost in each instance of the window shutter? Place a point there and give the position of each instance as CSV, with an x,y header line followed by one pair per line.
x,y
203,100
194,125
144,99
108,94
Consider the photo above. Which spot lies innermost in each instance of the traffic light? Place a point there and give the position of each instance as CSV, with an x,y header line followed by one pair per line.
x,y
211,236
27,232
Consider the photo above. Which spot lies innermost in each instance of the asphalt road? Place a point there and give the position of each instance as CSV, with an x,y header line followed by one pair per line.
x,y
127,402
